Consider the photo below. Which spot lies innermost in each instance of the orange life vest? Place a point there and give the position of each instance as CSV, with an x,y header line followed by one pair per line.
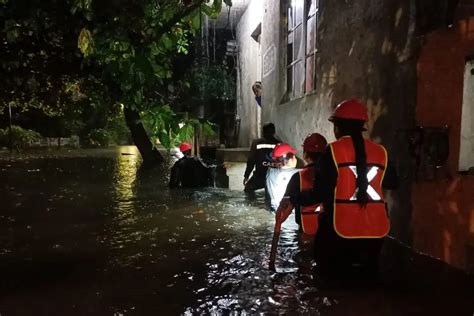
x,y
308,214
350,219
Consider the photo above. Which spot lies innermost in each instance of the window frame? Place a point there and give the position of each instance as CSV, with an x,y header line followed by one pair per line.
x,y
291,31
292,92
308,16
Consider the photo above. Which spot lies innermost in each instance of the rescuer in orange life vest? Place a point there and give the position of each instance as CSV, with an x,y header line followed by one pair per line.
x,y
352,174
305,216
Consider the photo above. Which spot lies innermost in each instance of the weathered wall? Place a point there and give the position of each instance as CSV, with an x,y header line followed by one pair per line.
x,y
369,50
248,72
365,51
443,210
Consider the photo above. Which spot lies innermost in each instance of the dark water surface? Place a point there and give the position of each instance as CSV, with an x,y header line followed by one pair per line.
x,y
93,233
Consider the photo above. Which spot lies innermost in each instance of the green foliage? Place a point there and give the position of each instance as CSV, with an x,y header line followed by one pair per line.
x,y
113,132
211,86
171,129
134,50
85,42
43,79
83,6
21,137
99,138
69,63
118,130
213,10
135,47
212,83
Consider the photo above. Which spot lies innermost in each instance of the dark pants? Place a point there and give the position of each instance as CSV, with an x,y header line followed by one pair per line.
x,y
256,182
341,255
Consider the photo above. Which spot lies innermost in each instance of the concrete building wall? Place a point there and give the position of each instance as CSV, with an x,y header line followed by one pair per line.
x,y
369,50
443,208
365,50
249,71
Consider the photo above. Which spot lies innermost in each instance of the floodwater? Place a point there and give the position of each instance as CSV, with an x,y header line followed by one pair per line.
x,y
93,233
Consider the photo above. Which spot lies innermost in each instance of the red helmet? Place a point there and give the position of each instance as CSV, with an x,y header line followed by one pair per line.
x,y
350,109
314,143
281,150
185,147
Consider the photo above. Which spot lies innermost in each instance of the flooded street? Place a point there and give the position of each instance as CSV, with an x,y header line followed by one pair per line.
x,y
94,233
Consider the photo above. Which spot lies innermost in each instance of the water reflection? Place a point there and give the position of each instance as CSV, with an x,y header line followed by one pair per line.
x,y
125,173
104,236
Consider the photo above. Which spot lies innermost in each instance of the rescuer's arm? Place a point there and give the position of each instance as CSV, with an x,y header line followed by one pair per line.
x,y
224,165
207,171
286,207
282,213
293,186
203,164
325,178
250,161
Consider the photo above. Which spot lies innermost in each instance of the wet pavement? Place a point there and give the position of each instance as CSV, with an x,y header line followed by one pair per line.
x,y
92,232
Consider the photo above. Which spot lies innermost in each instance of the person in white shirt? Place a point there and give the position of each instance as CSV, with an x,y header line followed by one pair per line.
x,y
278,176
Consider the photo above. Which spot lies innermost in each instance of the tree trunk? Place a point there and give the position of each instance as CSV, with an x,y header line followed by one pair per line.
x,y
149,153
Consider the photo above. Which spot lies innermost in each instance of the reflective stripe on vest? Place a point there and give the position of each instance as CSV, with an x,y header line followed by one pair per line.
x,y
266,146
351,219
309,214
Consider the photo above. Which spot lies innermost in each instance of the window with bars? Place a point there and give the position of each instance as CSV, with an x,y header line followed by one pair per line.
x,y
301,47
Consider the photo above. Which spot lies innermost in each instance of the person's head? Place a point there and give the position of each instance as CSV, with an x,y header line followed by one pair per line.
x,y
268,130
284,156
257,88
349,118
186,148
313,147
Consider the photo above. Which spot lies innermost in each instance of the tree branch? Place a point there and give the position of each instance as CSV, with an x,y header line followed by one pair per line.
x,y
177,17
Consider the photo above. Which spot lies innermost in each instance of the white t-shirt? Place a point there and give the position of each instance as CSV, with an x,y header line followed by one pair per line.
x,y
277,181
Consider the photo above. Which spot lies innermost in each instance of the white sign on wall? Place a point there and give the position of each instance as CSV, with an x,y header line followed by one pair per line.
x,y
466,154
269,61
